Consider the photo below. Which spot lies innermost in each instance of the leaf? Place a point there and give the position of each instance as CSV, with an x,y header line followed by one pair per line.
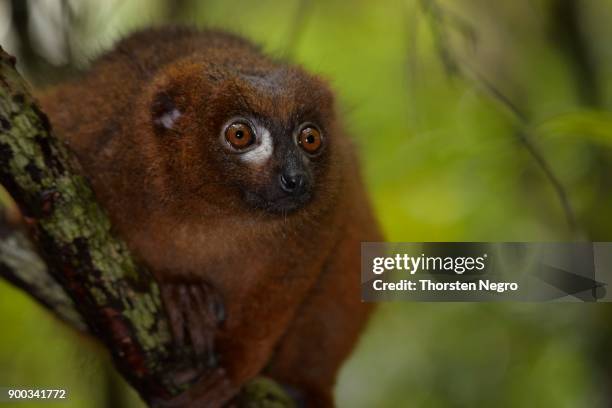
x,y
594,126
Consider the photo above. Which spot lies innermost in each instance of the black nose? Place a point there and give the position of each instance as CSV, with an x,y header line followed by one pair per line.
x,y
293,183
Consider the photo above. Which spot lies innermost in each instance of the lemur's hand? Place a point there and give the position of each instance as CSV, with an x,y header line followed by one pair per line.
x,y
195,312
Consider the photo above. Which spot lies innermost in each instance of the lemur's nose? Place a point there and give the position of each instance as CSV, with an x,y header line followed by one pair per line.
x,y
293,182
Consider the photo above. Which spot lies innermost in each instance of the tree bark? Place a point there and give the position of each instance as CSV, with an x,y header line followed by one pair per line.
x,y
77,267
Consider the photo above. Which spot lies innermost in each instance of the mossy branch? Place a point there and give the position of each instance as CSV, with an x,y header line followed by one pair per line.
x,y
21,265
85,273
119,301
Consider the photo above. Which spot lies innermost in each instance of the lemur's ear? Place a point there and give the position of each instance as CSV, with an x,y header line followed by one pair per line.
x,y
164,112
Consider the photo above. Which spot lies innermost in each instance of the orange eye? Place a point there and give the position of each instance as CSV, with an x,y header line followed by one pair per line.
x,y
309,139
239,135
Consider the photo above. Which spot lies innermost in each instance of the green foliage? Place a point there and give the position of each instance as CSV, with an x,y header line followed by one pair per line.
x,y
443,163
593,126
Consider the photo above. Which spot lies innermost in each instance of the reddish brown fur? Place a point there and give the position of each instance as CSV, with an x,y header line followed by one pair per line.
x,y
289,282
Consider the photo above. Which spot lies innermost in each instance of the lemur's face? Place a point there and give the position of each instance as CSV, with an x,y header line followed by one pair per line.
x,y
265,137
282,155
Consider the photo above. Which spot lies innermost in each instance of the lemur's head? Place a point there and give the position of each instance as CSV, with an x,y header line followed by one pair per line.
x,y
239,136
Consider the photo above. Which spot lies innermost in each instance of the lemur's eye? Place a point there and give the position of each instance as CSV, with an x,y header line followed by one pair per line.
x,y
309,139
239,135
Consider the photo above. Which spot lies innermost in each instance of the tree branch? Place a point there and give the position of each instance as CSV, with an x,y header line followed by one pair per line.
x,y
87,275
119,301
21,265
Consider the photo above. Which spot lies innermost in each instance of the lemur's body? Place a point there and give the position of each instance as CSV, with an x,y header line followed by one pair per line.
x,y
159,126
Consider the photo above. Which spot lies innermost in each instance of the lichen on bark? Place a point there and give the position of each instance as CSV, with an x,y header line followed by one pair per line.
x,y
21,265
77,267
73,236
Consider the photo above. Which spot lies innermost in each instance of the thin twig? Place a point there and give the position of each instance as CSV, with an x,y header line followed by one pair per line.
x,y
455,65
525,139
297,27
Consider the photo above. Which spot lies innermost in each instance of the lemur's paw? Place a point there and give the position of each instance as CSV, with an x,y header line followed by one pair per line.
x,y
195,312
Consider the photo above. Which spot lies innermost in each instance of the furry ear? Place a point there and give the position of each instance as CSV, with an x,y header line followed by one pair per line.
x,y
164,112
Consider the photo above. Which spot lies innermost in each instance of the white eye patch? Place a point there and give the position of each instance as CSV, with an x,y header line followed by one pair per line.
x,y
262,152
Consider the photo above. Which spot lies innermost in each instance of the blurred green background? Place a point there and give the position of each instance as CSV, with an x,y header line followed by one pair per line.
x,y
477,121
